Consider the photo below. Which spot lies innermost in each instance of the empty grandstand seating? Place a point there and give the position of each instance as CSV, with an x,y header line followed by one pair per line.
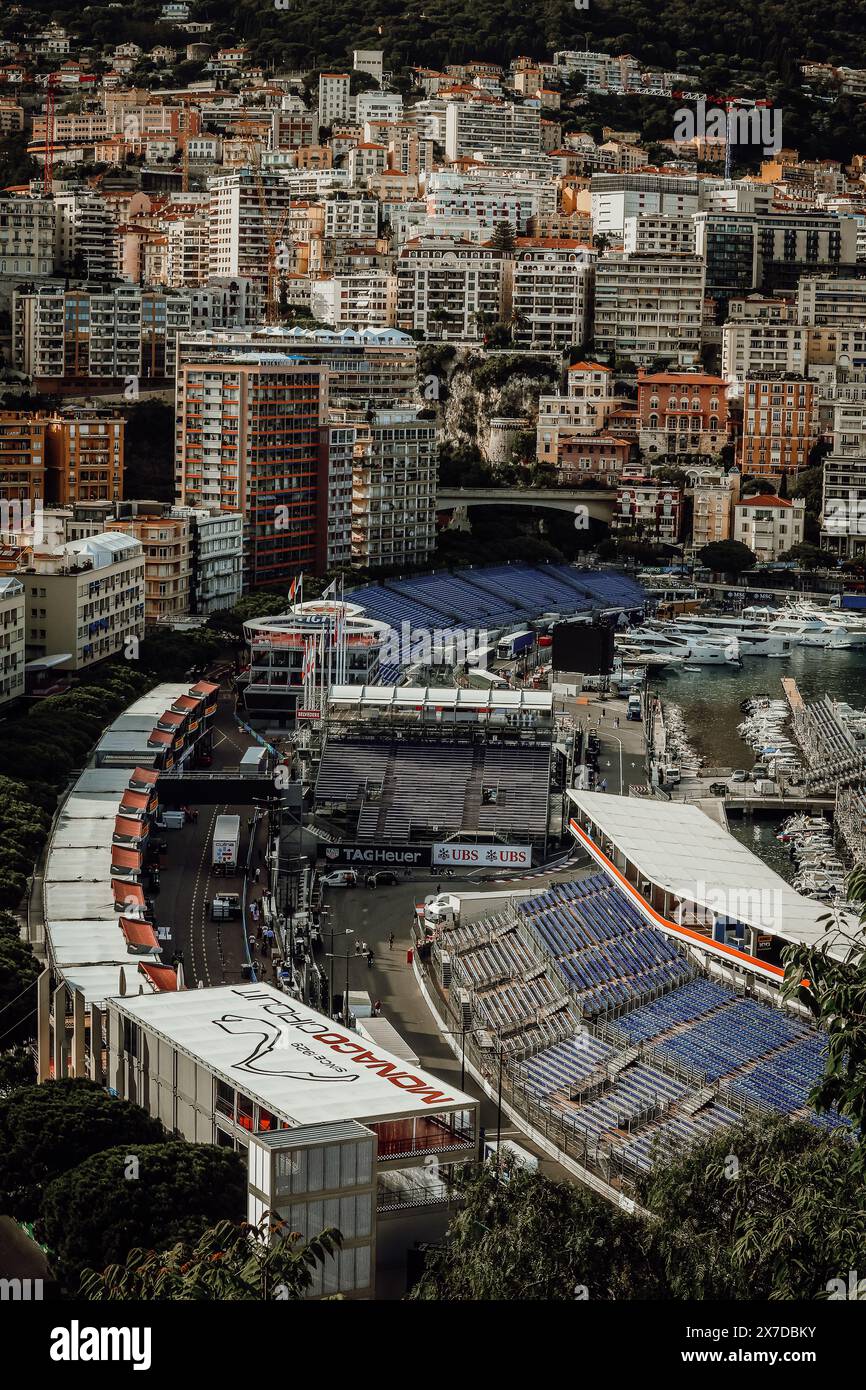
x,y
674,1134
741,1031
677,1056
606,952
495,596
565,1065
438,788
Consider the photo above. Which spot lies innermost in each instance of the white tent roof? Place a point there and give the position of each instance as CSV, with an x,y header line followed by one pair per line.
x,y
294,1061
680,849
100,982
102,782
91,943
70,866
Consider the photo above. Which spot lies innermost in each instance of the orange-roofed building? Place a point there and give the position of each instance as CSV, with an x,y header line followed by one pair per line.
x,y
682,413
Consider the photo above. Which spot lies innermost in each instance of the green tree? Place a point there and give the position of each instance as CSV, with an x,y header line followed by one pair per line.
x,y
229,1262
148,1195
47,1130
769,1210
17,1069
503,236
726,557
809,557
517,1235
19,968
833,988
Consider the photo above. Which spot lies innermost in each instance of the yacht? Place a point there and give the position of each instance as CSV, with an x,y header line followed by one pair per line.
x,y
755,639
805,627
696,650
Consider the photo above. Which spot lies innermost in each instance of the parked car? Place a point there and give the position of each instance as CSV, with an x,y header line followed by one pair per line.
x,y
340,878
739,775
383,878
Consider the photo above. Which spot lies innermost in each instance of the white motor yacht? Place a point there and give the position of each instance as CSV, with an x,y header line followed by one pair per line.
x,y
697,650
754,638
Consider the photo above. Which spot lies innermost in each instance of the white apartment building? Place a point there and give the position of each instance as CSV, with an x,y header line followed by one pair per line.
x,y
378,106
334,98
239,235
187,251
491,202
27,235
85,599
765,347
823,302
342,450
769,525
351,216
477,126
122,332
12,629
616,197
843,519
551,294
366,161
217,557
369,60
86,235
448,288
367,299
659,234
393,488
585,410
649,307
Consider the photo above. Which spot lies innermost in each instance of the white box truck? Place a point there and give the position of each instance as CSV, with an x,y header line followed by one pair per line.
x,y
226,842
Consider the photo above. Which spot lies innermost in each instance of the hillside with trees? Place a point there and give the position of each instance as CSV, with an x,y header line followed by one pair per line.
x,y
757,42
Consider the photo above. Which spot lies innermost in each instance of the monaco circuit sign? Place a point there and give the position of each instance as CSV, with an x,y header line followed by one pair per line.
x,y
483,856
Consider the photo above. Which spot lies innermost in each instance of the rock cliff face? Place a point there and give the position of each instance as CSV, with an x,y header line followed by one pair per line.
x,y
470,389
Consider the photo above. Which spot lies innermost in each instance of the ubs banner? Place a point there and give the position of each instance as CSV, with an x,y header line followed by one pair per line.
x,y
489,856
376,856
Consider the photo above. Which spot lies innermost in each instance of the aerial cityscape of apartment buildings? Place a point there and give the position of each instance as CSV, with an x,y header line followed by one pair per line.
x,y
432,641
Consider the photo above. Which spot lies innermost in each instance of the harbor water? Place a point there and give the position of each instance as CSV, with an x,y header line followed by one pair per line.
x,y
710,698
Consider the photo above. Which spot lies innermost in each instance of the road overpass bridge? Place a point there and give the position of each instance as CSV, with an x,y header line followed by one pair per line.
x,y
596,504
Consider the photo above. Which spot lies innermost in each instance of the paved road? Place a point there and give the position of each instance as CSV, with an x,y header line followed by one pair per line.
x,y
621,760
370,915
213,952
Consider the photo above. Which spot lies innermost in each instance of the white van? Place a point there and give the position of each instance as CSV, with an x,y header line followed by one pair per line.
x,y
340,878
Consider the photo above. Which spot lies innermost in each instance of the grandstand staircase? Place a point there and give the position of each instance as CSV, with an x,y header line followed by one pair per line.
x,y
556,1007
472,796
388,784
623,1060
697,1100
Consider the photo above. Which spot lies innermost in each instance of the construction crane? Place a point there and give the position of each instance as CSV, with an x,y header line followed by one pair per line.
x,y
48,166
731,105
273,225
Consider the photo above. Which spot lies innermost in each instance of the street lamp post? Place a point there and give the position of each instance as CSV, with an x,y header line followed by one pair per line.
x,y
332,956
464,1034
499,1108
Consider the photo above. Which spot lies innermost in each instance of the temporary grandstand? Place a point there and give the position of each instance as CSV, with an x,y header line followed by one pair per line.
x,y
498,596
415,791
615,1045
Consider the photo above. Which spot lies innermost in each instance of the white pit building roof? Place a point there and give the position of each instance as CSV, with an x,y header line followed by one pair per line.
x,y
301,1066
